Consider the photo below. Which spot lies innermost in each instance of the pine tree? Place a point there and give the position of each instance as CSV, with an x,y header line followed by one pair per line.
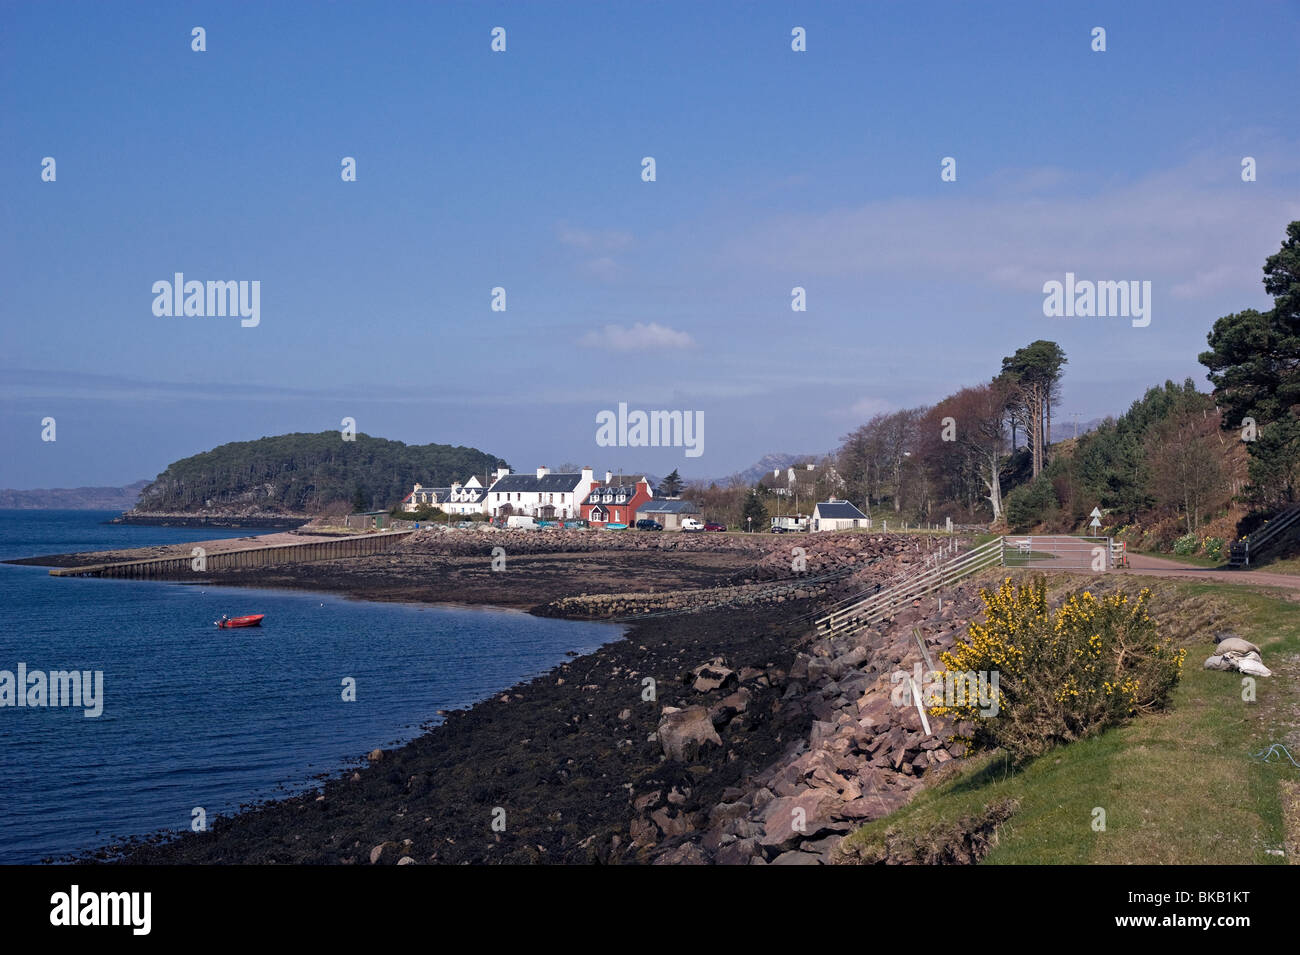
x,y
670,486
754,514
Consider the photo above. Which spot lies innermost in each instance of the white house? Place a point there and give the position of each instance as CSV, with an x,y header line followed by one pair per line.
x,y
467,498
547,495
837,516
805,480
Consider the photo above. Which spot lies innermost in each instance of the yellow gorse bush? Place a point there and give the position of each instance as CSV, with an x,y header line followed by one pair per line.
x,y
1063,674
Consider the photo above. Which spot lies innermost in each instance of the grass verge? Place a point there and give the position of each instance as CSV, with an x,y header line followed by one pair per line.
x,y
1179,786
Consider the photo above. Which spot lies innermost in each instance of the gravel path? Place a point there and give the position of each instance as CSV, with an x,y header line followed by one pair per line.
x,y
1161,567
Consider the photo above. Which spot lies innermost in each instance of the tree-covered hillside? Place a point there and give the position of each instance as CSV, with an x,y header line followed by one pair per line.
x,y
307,474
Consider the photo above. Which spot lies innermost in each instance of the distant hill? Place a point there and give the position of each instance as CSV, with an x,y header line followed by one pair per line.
x,y
306,474
764,467
73,498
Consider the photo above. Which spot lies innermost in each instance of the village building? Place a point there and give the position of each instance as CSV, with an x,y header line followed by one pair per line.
x,y
467,498
546,495
616,503
669,513
837,515
804,481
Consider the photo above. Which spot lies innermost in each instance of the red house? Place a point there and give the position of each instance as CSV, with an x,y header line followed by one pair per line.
x,y
611,503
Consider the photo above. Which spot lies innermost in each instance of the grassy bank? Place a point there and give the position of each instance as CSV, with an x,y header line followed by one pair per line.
x,y
1177,787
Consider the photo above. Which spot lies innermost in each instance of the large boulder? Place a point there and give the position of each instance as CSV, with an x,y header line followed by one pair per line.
x,y
789,819
682,733
713,675
688,853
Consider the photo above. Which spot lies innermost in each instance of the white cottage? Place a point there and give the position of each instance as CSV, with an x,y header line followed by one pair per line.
x,y
467,498
546,495
837,516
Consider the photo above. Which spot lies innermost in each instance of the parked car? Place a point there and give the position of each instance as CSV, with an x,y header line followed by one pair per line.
x,y
529,523
645,524
715,526
691,524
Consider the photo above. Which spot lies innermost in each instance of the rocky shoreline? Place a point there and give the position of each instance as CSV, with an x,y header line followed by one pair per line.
x,y
755,741
762,745
721,729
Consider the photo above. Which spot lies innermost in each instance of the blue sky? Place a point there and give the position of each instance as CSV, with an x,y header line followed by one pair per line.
x,y
522,170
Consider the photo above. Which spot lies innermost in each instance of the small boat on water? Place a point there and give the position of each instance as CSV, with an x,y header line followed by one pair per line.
x,y
250,620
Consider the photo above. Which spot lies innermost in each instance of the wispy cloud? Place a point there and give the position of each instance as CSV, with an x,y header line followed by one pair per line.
x,y
598,247
865,408
593,240
1198,228
639,335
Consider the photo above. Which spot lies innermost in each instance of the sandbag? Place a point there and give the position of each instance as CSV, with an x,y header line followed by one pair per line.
x,y
1253,666
1236,645
1240,661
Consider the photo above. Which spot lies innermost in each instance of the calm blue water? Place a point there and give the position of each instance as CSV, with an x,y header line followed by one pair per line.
x,y
194,716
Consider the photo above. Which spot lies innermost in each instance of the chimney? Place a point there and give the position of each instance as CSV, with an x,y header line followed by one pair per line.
x,y
542,472
587,476
609,476
500,473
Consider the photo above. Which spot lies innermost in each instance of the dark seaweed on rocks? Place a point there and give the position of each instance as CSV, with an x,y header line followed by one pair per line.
x,y
765,742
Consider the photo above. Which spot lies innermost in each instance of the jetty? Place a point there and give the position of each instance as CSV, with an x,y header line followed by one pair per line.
x,y
199,561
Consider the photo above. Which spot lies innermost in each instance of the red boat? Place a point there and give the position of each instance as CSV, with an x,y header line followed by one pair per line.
x,y
251,620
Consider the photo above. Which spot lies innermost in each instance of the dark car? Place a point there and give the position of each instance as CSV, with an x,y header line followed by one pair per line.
x,y
645,524
715,526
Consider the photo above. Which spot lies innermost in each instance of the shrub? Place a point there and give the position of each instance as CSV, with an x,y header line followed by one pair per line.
x,y
1030,504
1186,545
422,512
1213,547
1061,675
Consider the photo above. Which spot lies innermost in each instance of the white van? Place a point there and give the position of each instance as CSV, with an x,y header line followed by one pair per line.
x,y
691,524
522,521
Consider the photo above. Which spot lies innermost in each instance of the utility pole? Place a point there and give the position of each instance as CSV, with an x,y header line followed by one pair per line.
x,y
1075,415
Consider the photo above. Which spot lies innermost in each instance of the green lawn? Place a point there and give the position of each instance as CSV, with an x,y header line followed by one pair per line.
x,y
1179,786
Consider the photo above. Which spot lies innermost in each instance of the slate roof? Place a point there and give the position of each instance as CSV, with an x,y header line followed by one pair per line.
x,y
838,510
469,495
531,483
668,507
473,495
597,495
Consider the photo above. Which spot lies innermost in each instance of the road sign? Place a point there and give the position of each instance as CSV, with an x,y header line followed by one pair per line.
x,y
1096,512
1095,523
